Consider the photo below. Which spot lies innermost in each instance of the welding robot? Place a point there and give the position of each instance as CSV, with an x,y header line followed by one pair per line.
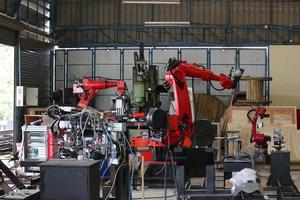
x,y
173,133
259,139
176,129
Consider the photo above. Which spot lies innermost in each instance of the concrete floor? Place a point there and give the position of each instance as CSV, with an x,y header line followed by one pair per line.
x,y
152,193
171,193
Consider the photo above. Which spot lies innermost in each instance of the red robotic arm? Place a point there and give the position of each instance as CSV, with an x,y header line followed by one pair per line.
x,y
261,140
181,124
89,88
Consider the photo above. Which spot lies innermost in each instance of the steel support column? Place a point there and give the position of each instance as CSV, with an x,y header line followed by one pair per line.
x,y
208,67
18,112
93,62
237,64
66,69
52,16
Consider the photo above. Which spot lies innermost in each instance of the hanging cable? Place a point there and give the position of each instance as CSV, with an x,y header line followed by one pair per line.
x,y
114,181
217,89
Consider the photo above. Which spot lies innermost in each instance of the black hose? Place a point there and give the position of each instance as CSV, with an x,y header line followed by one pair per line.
x,y
50,107
52,126
248,115
217,89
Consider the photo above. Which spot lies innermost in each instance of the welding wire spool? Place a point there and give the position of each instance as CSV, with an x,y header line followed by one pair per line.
x,y
143,178
255,87
255,90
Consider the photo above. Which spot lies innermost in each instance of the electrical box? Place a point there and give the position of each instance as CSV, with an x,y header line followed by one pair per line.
x,y
35,145
70,180
27,96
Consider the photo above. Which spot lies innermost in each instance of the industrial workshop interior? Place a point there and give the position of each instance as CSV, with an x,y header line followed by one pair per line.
x,y
150,99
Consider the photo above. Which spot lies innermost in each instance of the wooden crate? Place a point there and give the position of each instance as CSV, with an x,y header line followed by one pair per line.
x,y
30,118
281,117
33,110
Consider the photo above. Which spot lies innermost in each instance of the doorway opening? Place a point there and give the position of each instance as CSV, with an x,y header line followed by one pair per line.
x,y
6,87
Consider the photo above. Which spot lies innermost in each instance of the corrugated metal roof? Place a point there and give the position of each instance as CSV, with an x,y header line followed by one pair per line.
x,y
113,12
84,21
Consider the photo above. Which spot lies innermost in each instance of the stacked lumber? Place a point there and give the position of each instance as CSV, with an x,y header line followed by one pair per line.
x,y
281,117
225,117
6,138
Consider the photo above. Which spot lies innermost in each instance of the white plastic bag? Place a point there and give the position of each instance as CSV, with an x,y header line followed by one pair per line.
x,y
244,180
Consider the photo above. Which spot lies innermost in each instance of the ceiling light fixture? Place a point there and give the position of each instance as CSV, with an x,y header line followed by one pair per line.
x,y
161,24
151,2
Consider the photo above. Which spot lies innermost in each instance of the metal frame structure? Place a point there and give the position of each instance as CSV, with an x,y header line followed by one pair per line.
x,y
123,65
29,20
222,23
24,19
211,35
33,16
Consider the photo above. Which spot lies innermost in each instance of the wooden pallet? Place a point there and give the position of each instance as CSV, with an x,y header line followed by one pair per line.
x,y
251,103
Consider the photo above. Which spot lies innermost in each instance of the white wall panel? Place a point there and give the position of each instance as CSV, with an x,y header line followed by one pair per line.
x,y
59,69
76,72
59,73
108,71
104,57
161,58
198,56
104,102
252,56
108,64
284,69
253,61
59,85
223,56
77,57
222,60
59,57
79,65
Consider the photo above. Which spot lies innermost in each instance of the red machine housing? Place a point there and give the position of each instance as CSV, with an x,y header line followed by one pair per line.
x,y
180,126
51,148
261,140
90,88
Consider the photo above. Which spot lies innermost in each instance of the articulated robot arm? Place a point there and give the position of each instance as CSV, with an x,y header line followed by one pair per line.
x,y
261,140
89,88
180,124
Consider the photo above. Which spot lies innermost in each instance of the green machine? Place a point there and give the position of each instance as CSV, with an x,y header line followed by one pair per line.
x,y
144,84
